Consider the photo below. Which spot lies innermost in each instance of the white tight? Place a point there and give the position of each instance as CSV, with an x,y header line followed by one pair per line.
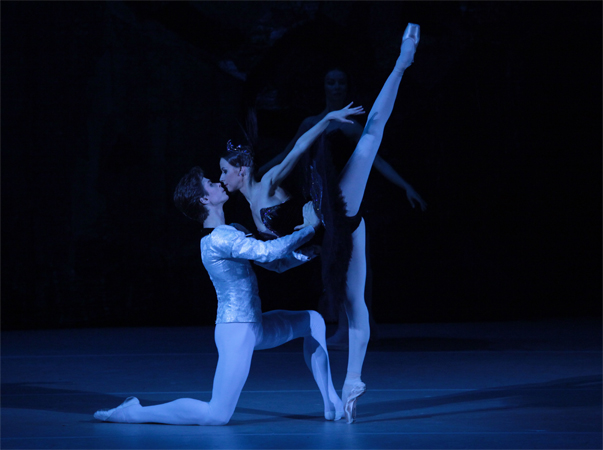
x,y
355,305
353,183
236,343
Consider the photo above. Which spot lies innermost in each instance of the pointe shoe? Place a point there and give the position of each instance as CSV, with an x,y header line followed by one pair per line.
x,y
411,34
355,390
413,31
105,414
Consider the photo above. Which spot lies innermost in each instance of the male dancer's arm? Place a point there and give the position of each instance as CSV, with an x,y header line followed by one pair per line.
x,y
293,259
230,242
300,256
266,251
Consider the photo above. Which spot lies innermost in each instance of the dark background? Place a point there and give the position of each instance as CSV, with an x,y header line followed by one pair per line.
x,y
105,105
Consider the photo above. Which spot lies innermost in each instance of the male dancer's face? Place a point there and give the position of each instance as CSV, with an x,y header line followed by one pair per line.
x,y
216,195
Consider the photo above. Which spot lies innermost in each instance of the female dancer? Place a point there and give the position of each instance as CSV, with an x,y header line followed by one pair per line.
x,y
241,327
267,194
343,136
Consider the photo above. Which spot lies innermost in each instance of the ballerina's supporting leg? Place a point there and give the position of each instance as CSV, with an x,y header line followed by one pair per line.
x,y
353,183
355,306
339,340
359,325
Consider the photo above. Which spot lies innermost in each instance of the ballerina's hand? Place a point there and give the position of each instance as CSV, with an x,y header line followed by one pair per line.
x,y
310,217
342,114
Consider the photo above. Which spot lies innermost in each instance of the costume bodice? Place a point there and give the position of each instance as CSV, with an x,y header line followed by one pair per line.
x,y
234,279
281,219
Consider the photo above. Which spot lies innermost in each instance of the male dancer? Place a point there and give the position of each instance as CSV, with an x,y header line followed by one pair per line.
x,y
241,327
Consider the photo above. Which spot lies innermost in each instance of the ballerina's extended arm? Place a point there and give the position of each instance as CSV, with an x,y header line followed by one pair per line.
x,y
278,173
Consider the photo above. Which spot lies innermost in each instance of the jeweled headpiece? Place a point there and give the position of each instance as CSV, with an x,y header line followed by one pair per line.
x,y
239,155
238,149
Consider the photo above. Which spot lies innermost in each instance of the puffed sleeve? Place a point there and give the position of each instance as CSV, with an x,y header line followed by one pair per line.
x,y
266,251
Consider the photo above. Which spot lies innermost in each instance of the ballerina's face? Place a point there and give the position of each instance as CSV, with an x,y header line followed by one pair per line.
x,y
336,85
231,177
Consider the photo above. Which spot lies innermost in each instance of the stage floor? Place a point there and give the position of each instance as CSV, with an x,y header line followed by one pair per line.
x,y
506,385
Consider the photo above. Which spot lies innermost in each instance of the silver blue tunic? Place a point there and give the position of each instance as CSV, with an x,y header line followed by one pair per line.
x,y
226,253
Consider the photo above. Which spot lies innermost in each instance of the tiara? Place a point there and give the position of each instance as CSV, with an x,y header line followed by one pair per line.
x,y
238,149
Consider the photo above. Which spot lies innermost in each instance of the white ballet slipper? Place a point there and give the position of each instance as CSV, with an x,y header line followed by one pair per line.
x,y
334,415
105,414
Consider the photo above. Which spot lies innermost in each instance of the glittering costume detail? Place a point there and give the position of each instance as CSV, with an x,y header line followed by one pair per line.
x,y
317,180
243,154
238,148
281,219
226,253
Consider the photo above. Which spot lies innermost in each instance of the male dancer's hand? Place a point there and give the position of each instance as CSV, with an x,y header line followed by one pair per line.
x,y
307,253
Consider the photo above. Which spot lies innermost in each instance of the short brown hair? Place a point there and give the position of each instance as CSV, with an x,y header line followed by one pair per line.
x,y
187,194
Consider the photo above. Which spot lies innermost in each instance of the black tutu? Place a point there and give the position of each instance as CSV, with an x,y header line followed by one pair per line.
x,y
317,179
